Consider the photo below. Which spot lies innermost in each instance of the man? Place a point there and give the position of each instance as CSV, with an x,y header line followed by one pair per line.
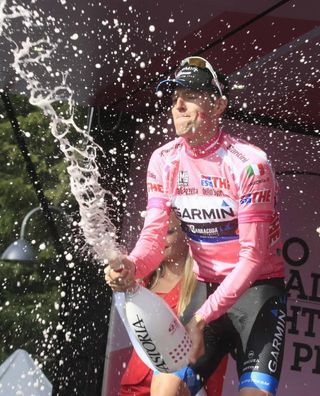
x,y
223,190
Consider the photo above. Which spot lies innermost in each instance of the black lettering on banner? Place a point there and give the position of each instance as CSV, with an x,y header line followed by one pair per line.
x,y
312,315
316,370
315,296
305,247
302,320
295,283
302,353
293,320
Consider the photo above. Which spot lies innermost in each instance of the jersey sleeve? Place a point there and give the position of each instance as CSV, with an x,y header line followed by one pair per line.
x,y
149,249
257,189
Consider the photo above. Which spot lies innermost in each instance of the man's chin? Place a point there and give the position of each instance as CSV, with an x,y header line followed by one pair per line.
x,y
187,132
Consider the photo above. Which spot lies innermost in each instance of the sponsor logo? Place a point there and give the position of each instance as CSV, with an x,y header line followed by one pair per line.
x,y
154,187
214,182
203,231
255,182
237,153
277,340
187,191
262,196
274,230
210,191
252,363
183,179
206,214
148,345
166,151
255,170
222,228
186,70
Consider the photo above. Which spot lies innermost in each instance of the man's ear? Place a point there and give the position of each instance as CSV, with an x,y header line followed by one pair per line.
x,y
220,105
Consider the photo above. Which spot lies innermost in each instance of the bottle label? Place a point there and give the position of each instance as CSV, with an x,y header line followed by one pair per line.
x,y
138,326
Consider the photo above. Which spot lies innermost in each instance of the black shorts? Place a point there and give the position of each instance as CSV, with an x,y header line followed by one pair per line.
x,y
252,331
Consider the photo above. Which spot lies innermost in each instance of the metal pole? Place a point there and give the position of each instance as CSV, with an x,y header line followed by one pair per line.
x,y
37,185
33,175
30,214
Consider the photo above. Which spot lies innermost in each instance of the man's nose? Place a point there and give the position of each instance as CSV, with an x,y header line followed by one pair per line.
x,y
180,104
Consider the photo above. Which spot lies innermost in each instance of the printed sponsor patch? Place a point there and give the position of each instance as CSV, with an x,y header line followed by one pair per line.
x,y
274,230
258,181
183,179
255,170
212,192
262,196
237,153
187,191
214,182
154,187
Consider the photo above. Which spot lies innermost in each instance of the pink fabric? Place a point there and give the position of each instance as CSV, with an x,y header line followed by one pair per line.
x,y
254,250
224,194
148,252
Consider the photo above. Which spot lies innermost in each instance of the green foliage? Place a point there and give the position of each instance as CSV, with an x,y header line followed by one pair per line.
x,y
27,308
18,195
28,293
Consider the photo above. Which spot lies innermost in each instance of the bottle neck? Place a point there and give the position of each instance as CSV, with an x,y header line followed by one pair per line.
x,y
133,290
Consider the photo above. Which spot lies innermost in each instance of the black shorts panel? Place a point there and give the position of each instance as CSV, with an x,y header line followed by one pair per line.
x,y
252,331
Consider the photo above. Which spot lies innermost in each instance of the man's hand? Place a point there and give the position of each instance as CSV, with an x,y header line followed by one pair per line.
x,y
122,278
195,329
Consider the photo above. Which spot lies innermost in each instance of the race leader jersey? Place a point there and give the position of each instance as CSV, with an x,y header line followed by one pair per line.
x,y
224,193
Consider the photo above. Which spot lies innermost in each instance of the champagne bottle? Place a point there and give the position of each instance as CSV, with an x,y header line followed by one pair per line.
x,y
157,329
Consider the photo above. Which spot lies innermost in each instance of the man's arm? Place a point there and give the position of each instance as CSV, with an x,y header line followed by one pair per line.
x,y
254,241
149,249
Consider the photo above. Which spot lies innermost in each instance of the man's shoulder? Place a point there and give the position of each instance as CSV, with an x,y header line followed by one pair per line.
x,y
242,151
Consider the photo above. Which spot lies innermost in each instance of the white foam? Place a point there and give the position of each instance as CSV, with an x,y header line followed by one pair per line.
x,y
30,59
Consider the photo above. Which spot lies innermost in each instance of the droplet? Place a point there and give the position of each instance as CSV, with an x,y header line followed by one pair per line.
x,y
69,256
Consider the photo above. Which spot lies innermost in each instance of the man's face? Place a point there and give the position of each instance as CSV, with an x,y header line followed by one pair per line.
x,y
192,112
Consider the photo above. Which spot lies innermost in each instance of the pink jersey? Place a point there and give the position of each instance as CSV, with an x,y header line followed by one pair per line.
x,y
224,193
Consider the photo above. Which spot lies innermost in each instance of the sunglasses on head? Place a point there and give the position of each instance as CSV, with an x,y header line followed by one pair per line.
x,y
201,63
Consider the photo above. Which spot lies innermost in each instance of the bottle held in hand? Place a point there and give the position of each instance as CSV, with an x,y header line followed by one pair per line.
x,y
157,329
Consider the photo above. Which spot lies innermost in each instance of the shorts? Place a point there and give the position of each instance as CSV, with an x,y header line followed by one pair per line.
x,y
253,332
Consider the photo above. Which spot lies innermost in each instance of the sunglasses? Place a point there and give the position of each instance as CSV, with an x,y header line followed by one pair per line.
x,y
201,63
